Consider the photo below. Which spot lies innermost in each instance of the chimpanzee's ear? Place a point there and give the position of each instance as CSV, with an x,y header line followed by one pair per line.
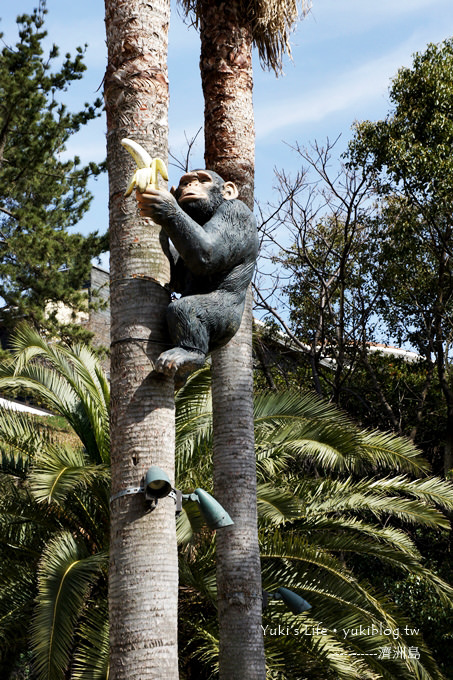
x,y
229,191
173,190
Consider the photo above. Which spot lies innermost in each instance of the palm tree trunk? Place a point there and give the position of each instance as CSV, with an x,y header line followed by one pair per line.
x,y
227,80
143,575
238,557
226,68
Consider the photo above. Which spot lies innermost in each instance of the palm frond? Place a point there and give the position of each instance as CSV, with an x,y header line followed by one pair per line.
x,y
277,506
204,646
65,574
197,572
349,495
323,504
189,523
58,471
193,427
304,427
392,453
16,600
324,575
280,407
323,655
271,24
91,660
430,490
69,380
21,438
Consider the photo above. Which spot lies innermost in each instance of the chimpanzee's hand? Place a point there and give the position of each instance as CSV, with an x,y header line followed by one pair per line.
x,y
158,204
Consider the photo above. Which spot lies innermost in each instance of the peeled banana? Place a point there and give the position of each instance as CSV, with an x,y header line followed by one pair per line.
x,y
148,168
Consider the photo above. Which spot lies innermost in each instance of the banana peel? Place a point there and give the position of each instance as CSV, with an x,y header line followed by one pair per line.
x,y
148,169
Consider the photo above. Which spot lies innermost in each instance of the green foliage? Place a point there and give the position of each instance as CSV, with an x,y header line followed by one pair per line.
x,y
66,573
421,603
42,195
370,261
412,147
330,497
413,392
54,512
332,500
327,275
409,156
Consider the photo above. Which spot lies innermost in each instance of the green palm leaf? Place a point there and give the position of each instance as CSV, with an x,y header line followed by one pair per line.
x,y
91,659
16,601
389,452
277,506
65,574
69,380
58,471
193,428
330,496
20,439
335,496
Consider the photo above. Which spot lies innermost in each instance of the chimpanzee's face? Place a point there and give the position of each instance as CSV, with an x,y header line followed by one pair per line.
x,y
200,193
194,186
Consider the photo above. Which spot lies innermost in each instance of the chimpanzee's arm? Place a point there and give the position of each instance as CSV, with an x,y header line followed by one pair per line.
x,y
224,241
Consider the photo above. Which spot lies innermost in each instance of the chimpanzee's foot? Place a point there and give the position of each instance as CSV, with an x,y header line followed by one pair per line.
x,y
179,362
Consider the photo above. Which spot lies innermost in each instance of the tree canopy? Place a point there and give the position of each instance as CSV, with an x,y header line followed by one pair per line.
x,y
408,156
334,502
43,193
369,257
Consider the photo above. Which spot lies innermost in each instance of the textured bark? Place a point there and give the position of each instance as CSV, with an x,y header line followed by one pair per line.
x,y
143,576
226,70
239,595
227,80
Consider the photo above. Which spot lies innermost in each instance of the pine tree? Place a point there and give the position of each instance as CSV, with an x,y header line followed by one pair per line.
x,y
41,195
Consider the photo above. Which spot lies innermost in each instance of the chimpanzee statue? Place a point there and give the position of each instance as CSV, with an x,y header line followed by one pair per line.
x,y
216,238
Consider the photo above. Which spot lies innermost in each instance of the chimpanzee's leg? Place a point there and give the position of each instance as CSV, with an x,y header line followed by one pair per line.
x,y
198,324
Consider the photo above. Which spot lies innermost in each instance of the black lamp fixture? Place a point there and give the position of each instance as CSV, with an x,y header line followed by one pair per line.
x,y
295,603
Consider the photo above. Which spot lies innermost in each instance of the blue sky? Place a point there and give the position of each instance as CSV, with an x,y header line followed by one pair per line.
x,y
345,53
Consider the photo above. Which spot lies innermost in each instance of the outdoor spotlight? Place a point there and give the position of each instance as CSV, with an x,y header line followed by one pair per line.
x,y
213,513
295,603
157,484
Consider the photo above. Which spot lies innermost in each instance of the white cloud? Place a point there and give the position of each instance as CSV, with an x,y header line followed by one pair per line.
x,y
367,83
